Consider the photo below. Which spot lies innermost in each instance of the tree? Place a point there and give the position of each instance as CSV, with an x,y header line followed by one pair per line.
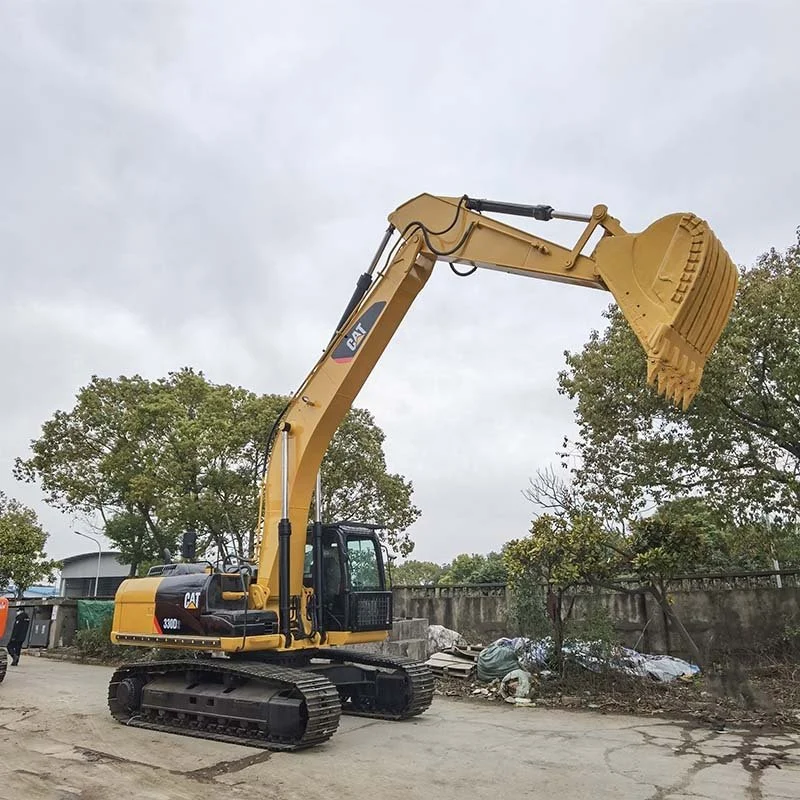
x,y
662,547
553,494
357,486
138,545
760,544
561,553
152,459
416,573
732,546
465,568
738,446
23,560
474,568
682,536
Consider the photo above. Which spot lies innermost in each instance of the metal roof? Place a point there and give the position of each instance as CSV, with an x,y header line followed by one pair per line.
x,y
90,555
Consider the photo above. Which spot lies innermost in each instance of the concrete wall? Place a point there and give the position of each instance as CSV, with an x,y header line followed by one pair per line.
x,y
478,612
719,618
408,637
736,618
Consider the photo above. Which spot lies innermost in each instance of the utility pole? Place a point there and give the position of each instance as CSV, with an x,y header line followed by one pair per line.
x,y
99,554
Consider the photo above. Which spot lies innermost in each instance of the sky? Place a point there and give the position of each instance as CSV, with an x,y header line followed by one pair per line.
x,y
200,184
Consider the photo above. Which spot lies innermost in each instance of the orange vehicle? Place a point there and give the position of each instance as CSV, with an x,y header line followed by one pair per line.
x,y
3,623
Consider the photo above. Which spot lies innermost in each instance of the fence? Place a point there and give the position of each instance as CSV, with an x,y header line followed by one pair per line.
x,y
744,611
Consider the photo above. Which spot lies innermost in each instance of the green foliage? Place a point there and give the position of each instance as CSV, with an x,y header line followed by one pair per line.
x,y
466,568
739,443
754,544
560,553
527,611
155,458
138,543
23,560
416,573
474,568
96,643
666,544
357,486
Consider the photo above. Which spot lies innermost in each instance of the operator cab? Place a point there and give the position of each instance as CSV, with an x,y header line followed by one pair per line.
x,y
354,595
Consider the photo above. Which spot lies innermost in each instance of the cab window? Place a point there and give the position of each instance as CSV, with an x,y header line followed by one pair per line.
x,y
365,573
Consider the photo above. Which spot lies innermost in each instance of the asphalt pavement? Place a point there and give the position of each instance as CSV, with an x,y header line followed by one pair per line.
x,y
57,740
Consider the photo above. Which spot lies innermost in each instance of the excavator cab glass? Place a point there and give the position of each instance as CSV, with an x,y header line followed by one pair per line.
x,y
354,595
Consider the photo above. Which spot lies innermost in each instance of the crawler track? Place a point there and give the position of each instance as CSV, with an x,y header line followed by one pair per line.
x,y
227,701
418,693
3,663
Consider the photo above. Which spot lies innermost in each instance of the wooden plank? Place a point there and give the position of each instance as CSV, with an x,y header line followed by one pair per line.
x,y
446,663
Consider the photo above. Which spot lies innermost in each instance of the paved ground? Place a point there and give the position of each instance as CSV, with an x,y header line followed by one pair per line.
x,y
57,741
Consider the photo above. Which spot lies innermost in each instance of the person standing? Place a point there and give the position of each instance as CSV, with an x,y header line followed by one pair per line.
x,y
18,634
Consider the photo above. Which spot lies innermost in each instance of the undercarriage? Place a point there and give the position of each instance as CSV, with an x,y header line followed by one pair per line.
x,y
278,701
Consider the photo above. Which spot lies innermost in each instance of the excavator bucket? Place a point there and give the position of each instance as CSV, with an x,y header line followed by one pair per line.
x,y
675,284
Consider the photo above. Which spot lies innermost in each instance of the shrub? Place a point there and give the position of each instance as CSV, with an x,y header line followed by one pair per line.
x,y
96,643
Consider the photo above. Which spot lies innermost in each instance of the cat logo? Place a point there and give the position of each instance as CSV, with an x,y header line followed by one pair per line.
x,y
355,337
191,600
347,348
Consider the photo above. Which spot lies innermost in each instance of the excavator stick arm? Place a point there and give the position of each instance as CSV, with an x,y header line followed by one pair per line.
x,y
455,234
674,282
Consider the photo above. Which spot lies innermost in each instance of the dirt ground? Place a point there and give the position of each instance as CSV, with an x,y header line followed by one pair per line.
x,y
58,741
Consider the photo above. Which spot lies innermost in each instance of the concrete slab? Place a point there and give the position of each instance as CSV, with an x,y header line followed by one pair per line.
x,y
408,637
58,741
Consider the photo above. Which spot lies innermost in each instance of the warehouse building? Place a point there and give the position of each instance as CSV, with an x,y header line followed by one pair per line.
x,y
92,574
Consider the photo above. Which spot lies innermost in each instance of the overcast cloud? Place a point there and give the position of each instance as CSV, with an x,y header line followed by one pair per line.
x,y
195,183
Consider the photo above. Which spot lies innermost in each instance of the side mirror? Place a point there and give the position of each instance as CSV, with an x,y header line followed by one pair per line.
x,y
189,545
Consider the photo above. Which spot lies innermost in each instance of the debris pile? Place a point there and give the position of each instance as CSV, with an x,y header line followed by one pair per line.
x,y
441,638
610,679
535,656
456,662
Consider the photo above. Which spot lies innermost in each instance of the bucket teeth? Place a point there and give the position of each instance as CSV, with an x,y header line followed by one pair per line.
x,y
672,384
674,367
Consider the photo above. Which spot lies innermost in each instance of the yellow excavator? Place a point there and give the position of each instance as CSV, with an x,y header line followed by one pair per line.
x,y
270,664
